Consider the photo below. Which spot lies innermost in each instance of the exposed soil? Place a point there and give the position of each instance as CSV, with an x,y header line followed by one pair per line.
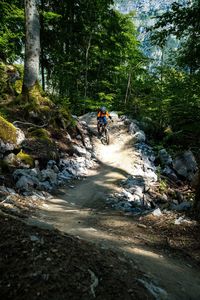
x,y
42,264
98,252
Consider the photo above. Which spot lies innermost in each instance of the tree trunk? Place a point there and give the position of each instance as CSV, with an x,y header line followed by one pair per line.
x,y
32,47
42,48
127,88
86,65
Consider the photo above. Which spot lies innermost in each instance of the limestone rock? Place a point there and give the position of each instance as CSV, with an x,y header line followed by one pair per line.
x,y
185,165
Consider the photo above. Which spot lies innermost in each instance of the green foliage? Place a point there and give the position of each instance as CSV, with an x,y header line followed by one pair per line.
x,y
3,78
96,46
11,29
182,21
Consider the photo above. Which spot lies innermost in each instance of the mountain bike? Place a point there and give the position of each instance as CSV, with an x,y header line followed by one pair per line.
x,y
104,134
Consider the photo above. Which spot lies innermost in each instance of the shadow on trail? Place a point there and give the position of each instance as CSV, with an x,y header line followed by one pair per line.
x,y
92,191
81,211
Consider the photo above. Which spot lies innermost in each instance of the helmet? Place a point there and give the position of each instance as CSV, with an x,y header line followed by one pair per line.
x,y
103,109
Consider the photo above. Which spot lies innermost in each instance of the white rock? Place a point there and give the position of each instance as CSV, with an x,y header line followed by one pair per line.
x,y
139,136
157,212
20,136
79,150
133,128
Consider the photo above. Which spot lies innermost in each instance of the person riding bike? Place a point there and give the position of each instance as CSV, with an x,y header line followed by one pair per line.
x,y
102,118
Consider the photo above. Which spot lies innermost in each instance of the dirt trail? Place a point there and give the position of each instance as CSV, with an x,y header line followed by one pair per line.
x,y
81,211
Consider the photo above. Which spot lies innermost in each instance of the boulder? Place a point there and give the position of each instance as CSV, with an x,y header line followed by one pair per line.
x,y
139,137
165,158
64,176
24,172
133,128
11,159
79,150
45,186
167,171
10,136
25,183
49,175
185,165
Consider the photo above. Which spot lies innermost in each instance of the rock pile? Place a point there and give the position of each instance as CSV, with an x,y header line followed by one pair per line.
x,y
72,163
58,173
138,194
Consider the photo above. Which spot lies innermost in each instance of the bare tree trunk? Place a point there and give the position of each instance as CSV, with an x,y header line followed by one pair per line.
x,y
32,48
127,89
86,65
42,48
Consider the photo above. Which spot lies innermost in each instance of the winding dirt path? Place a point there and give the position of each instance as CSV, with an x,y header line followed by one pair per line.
x,y
81,211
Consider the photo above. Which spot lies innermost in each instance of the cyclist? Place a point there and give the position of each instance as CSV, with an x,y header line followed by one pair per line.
x,y
102,118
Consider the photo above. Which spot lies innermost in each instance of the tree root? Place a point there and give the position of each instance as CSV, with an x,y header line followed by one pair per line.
x,y
95,282
28,123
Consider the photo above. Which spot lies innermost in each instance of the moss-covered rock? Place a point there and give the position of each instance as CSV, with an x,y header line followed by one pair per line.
x,y
40,133
25,158
41,148
8,132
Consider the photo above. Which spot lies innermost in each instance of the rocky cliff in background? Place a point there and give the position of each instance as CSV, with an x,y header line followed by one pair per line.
x,y
146,12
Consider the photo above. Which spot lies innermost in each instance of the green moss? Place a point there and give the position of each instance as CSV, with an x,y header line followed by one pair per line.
x,y
18,86
64,114
35,95
46,102
7,131
45,109
25,158
40,133
20,69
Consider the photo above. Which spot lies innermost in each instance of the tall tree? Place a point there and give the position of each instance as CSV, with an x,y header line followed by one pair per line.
x,y
32,47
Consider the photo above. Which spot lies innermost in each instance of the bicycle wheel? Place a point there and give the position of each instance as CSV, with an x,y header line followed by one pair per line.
x,y
103,139
107,137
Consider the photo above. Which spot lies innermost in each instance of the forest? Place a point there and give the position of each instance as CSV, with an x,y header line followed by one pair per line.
x,y
60,61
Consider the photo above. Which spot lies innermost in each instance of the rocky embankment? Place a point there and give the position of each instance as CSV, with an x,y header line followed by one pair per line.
x,y
30,176
155,184
158,182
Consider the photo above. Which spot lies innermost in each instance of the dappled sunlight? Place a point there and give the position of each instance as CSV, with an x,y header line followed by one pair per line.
x,y
81,210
